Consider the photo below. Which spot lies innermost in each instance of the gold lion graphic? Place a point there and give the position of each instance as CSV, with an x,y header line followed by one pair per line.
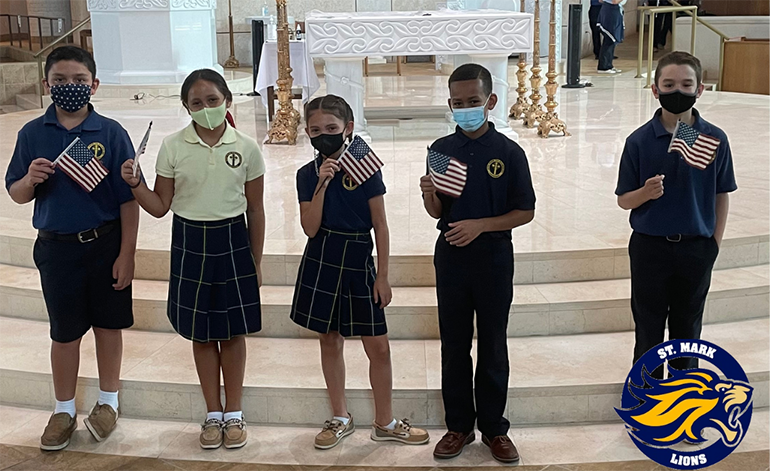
x,y
679,408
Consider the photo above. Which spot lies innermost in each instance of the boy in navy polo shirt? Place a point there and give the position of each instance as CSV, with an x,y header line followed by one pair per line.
x,y
678,212
474,265
86,240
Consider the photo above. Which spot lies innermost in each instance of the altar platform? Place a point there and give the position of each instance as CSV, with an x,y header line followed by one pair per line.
x,y
570,335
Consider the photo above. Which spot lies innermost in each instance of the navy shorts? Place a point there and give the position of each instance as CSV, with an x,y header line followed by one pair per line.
x,y
77,286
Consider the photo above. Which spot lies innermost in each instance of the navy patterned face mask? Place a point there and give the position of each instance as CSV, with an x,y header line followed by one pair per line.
x,y
72,96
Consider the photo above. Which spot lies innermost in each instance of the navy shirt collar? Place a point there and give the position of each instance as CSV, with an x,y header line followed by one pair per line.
x,y
699,124
93,121
485,139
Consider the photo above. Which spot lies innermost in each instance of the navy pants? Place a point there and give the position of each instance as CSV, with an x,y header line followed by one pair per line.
x,y
596,32
606,52
669,283
476,278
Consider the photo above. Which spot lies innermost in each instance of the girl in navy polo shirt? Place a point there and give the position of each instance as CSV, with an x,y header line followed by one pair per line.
x,y
338,293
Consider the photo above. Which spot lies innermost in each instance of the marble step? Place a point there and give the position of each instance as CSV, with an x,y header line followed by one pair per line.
x,y
28,101
554,380
407,269
538,309
593,447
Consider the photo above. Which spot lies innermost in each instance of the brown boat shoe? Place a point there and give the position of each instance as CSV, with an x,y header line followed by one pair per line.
x,y
58,432
101,421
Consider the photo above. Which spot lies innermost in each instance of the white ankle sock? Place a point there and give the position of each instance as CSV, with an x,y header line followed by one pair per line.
x,y
392,425
109,398
66,406
344,420
233,415
214,415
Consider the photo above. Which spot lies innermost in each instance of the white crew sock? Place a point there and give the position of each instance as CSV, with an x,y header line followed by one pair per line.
x,y
392,425
66,406
109,398
214,415
233,415
344,420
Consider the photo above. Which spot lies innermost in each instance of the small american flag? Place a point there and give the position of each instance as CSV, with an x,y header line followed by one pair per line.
x,y
79,163
447,173
697,149
360,161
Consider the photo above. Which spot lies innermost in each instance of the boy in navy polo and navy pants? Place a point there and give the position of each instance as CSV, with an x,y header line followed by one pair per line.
x,y
86,240
678,212
474,265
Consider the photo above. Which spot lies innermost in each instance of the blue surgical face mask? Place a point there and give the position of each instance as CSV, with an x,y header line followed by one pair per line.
x,y
471,119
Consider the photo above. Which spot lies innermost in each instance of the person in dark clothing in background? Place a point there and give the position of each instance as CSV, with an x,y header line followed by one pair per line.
x,y
663,23
593,20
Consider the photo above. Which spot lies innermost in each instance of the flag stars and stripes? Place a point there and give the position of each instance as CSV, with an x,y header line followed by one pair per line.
x,y
79,163
359,161
697,149
447,173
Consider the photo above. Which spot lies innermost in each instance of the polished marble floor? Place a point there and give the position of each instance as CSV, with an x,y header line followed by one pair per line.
x,y
574,177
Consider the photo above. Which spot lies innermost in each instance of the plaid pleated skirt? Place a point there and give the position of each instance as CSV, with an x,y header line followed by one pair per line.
x,y
335,286
213,293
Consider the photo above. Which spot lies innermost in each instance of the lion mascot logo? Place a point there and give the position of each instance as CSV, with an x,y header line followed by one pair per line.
x,y
679,408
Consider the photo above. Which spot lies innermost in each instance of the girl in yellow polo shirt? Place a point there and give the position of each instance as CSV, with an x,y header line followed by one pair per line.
x,y
210,176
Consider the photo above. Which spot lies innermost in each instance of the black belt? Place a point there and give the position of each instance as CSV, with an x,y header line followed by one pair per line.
x,y
82,237
680,237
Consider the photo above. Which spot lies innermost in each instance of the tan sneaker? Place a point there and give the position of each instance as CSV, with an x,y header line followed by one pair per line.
x,y
333,432
235,433
211,434
101,421
403,432
58,431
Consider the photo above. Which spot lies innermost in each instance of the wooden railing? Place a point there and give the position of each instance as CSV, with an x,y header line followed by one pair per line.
x,y
19,21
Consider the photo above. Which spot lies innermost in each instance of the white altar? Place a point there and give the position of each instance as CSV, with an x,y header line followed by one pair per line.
x,y
488,37
153,42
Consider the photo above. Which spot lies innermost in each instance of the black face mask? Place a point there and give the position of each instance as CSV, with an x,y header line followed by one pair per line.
x,y
677,102
328,144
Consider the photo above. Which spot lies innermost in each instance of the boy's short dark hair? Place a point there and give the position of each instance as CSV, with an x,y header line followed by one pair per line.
x,y
70,53
473,72
679,58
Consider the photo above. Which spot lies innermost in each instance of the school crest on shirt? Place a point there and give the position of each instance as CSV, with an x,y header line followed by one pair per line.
x,y
348,183
233,159
495,168
98,149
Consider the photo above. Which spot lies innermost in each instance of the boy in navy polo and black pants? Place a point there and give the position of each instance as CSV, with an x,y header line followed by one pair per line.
x,y
474,265
678,209
86,240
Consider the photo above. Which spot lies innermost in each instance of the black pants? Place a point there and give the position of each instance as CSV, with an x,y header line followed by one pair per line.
x,y
663,24
669,282
606,53
596,33
477,278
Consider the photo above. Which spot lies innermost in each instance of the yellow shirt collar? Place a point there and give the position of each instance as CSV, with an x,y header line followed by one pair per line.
x,y
193,138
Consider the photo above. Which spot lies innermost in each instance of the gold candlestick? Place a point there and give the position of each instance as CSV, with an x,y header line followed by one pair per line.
x,y
286,120
518,108
231,62
550,121
534,113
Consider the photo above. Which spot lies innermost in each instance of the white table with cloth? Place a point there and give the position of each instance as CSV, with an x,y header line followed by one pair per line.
x,y
301,63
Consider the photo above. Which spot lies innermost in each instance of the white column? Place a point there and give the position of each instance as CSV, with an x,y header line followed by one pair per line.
x,y
498,67
345,78
142,42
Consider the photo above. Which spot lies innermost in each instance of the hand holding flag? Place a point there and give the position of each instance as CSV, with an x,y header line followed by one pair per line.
x,y
142,147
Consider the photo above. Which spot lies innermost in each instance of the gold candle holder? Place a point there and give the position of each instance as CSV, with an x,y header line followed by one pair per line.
x,y
518,108
286,120
550,120
231,62
535,112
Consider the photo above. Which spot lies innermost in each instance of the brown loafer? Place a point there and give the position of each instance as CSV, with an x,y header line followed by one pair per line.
x,y
452,444
502,448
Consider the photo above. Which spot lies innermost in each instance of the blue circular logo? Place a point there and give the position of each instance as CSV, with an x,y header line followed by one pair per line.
x,y
660,414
